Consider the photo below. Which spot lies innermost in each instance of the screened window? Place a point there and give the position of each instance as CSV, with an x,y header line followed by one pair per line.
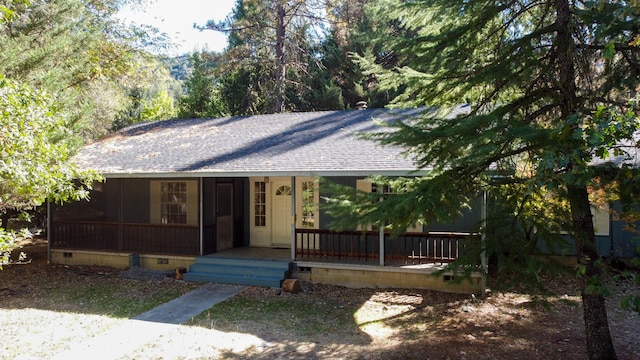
x,y
260,194
173,202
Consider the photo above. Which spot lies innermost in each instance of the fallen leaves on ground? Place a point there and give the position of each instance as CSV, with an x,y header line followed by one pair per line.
x,y
47,308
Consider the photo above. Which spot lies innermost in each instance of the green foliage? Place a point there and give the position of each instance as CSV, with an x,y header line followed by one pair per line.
x,y
517,132
412,202
179,67
8,242
35,154
79,52
159,108
201,97
548,115
150,98
272,63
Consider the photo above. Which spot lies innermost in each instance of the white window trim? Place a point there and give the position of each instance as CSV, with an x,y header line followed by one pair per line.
x,y
260,235
316,202
155,216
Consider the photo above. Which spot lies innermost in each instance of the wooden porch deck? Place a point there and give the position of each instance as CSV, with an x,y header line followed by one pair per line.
x,y
254,253
275,254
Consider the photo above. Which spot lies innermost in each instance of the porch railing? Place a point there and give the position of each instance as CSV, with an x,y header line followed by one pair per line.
x,y
126,237
358,246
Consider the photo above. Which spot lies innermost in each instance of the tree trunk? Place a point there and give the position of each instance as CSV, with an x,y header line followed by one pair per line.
x,y
599,343
4,219
278,105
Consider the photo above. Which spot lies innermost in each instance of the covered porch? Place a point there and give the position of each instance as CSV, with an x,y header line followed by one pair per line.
x,y
383,260
350,258
417,250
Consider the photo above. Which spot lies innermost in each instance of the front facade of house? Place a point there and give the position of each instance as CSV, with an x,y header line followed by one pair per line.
x,y
168,223
179,190
183,190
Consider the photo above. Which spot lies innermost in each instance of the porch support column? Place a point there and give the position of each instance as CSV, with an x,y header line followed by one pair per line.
x,y
49,234
200,216
120,216
381,245
381,241
483,238
293,218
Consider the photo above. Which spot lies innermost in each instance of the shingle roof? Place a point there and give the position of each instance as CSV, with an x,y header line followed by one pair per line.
x,y
312,143
630,154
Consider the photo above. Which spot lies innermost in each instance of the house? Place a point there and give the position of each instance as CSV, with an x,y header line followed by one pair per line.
x,y
235,200
186,193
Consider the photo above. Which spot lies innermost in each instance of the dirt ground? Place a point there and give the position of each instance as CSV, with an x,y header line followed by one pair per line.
x,y
320,322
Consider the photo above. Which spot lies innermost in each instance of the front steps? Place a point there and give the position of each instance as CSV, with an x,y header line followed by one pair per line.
x,y
268,273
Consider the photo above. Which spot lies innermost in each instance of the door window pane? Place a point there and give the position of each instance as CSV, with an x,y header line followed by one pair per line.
x,y
260,206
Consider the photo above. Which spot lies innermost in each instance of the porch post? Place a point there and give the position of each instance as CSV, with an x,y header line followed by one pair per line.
x,y
381,241
381,235
200,216
120,216
49,235
483,238
293,218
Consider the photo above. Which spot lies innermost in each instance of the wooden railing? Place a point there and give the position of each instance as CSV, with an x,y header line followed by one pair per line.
x,y
408,248
127,237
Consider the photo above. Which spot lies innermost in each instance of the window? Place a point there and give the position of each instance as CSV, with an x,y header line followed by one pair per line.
x,y
307,200
283,190
260,206
308,204
601,218
173,202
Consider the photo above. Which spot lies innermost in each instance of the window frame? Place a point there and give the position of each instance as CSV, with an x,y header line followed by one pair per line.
x,y
313,203
262,215
190,205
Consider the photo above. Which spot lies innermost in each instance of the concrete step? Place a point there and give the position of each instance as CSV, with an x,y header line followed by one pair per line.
x,y
238,269
268,281
269,273
243,262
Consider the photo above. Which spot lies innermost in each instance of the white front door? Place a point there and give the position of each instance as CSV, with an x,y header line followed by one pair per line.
x,y
281,214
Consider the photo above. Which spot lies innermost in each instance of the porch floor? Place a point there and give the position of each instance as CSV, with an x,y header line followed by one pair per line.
x,y
279,254
254,253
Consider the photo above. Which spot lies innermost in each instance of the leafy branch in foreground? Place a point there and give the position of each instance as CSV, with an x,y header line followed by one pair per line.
x,y
35,155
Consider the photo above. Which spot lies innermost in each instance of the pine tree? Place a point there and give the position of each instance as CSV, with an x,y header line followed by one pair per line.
x,y
269,44
549,86
200,98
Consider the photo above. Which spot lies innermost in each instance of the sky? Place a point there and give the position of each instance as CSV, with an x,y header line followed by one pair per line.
x,y
176,19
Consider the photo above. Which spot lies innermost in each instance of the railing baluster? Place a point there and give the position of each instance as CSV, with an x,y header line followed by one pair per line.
x,y
350,245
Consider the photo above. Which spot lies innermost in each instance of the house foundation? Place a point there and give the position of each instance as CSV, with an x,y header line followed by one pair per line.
x,y
357,276
119,260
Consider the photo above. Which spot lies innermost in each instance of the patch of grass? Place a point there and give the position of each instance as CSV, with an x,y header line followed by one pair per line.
x,y
113,300
57,289
114,297
301,315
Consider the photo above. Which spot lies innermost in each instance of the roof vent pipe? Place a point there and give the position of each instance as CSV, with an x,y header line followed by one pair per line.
x,y
361,105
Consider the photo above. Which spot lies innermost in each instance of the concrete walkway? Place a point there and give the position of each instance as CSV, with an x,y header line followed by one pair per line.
x,y
124,339
191,304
